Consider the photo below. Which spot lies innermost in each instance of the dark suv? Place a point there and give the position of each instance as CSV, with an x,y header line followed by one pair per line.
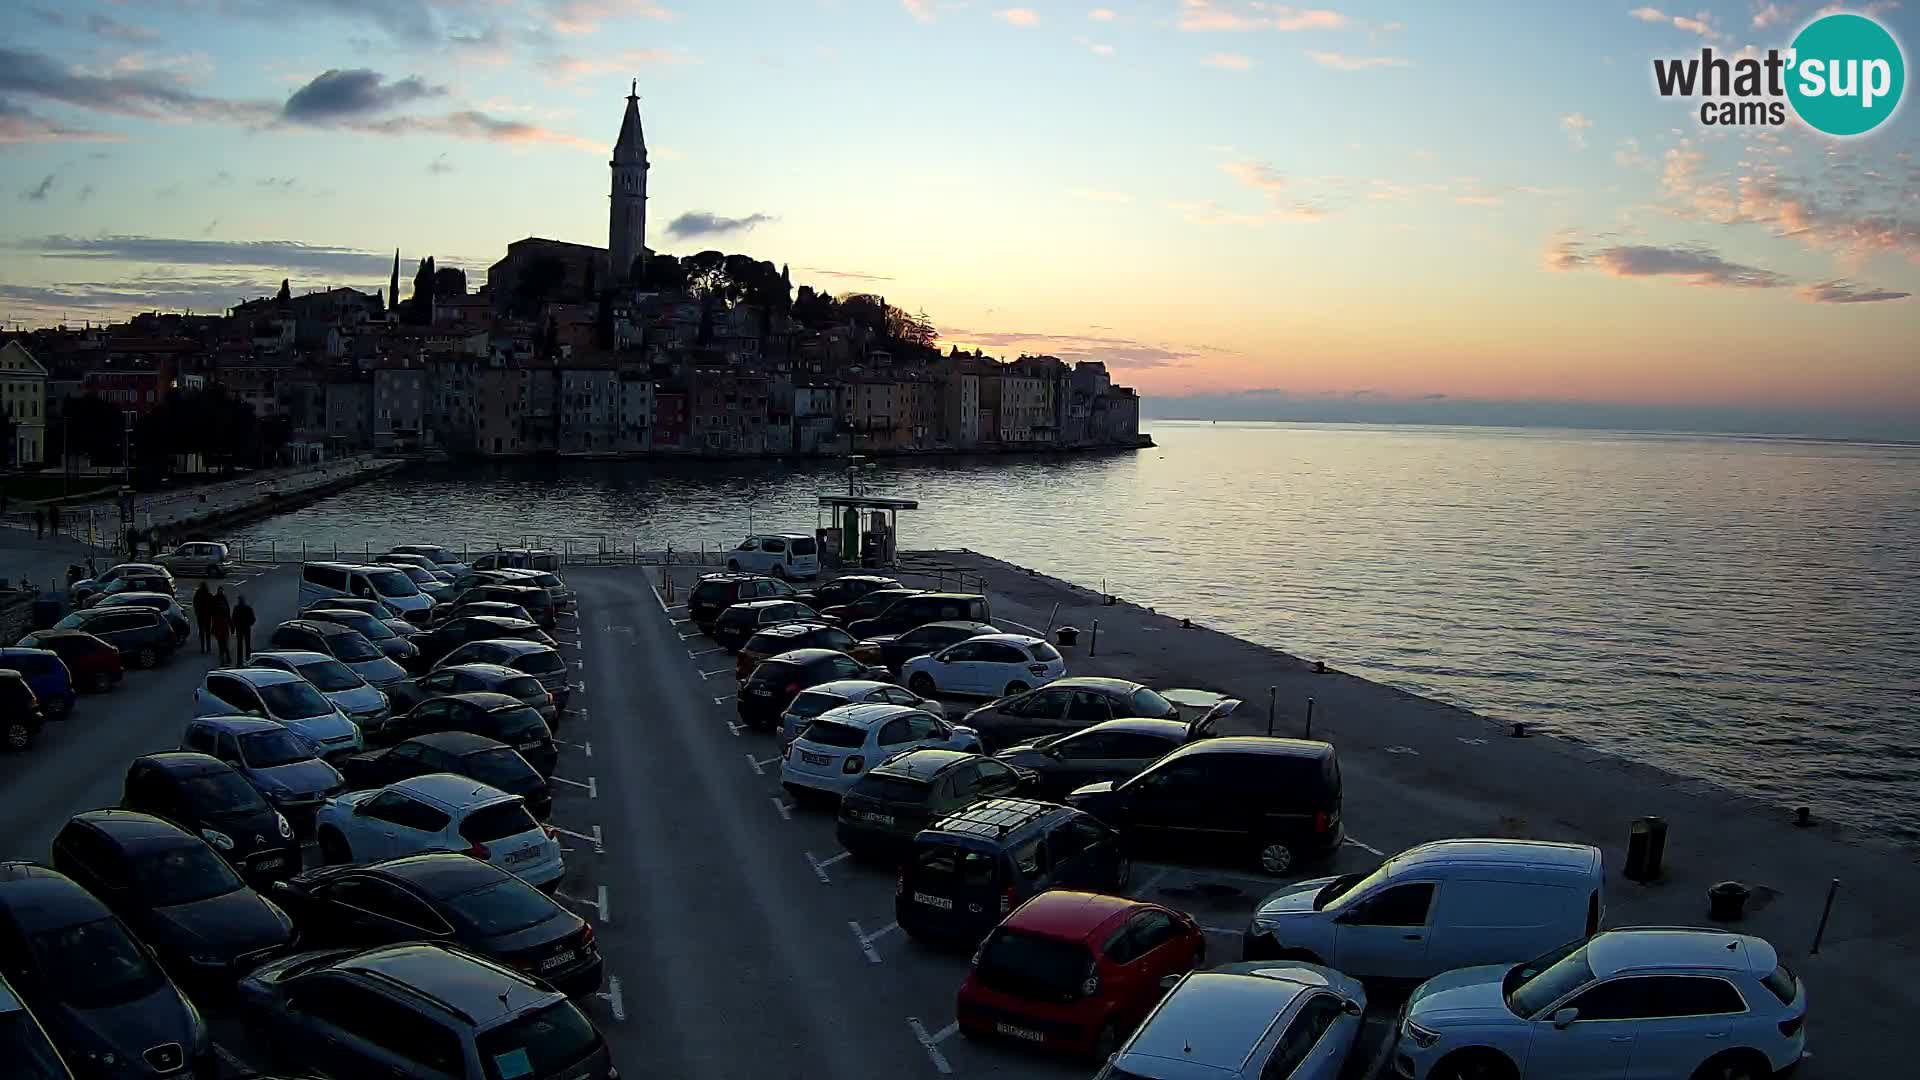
x,y
843,590
910,611
1274,801
715,593
457,631
496,716
779,679
967,870
461,753
883,810
537,601
419,1010
741,621
141,634
786,637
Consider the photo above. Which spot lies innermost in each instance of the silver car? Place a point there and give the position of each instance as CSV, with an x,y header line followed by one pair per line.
x,y
380,632
1279,1020
203,558
336,682
543,662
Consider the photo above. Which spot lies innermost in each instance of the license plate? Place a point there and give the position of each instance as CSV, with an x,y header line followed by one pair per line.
x,y
270,864
880,819
1019,1032
814,759
940,902
534,745
761,693
531,851
558,960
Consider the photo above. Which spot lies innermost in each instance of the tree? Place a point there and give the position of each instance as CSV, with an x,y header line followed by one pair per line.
x,y
661,273
543,277
448,281
7,429
286,291
420,307
92,429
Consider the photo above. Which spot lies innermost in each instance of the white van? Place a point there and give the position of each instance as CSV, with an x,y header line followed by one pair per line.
x,y
782,555
1437,907
326,580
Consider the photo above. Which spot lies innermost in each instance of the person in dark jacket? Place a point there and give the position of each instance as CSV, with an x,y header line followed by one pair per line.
x,y
203,613
221,624
242,629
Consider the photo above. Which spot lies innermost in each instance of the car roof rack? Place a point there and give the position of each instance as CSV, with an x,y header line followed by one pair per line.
x,y
994,817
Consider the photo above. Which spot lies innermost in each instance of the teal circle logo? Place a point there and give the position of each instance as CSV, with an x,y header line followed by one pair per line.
x,y
1847,76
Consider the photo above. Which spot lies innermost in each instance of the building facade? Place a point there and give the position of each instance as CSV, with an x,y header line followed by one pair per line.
x,y
23,394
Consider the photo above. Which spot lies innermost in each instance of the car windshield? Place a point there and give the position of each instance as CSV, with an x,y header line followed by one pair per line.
x,y
539,1044
293,700
392,583
221,793
507,906
1337,888
330,676
498,822
28,1054
157,603
810,704
543,662
831,733
548,581
520,724
369,627
351,647
75,621
419,576
1031,966
94,964
526,688
1148,703
1538,983
266,749
182,875
502,768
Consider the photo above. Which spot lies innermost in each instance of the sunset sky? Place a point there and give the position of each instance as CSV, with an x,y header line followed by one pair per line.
x,y
1486,201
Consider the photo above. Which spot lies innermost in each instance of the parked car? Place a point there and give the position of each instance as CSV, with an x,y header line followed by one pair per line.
x,y
203,558
1112,750
1642,1001
418,562
94,664
563,596
209,798
538,659
788,556
991,665
517,559
497,716
843,590
367,606
326,580
434,586
1259,1022
537,601
442,558
124,577
816,700
1076,971
164,603
883,810
498,608
343,643
1437,907
101,994
715,593
837,747
142,635
1065,705
46,675
176,893
920,609
279,764
1276,801
777,680
461,753
741,621
30,1053
450,635
868,604
786,637
20,715
892,651
395,645
285,698
339,684
972,866
440,812
484,678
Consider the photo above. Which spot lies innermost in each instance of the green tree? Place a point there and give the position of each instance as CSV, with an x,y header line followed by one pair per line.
x,y
286,291
448,281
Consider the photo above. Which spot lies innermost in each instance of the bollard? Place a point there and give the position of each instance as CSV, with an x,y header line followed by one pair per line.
x,y
1273,693
1093,641
1646,848
1727,901
1803,816
1821,931
1309,733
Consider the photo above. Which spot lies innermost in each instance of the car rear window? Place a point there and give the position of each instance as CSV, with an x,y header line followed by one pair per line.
x,y
764,643
710,592
520,724
811,704
775,673
497,822
1045,652
528,687
831,733
544,662
1784,984
739,614
1148,703
503,768
803,546
539,1044
1032,966
892,789
507,906
943,868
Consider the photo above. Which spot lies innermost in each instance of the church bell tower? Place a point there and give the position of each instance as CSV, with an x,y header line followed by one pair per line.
x,y
627,215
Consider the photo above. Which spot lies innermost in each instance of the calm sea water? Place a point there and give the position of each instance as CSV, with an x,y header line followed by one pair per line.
x,y
1741,609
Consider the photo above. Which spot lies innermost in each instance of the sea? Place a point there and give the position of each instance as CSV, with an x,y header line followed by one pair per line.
x,y
1741,609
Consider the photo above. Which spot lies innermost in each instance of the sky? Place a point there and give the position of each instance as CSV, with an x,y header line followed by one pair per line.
x,y
1234,204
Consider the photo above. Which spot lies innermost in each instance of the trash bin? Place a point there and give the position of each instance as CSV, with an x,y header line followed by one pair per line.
x,y
1067,636
1646,848
1727,901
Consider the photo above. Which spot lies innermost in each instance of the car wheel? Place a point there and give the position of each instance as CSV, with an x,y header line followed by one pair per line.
x,y
1474,1065
1016,687
334,848
1107,1042
149,657
922,684
102,682
1275,858
19,735
1734,1065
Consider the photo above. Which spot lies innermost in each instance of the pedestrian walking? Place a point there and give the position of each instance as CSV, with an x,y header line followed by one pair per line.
x,y
242,629
53,519
39,523
203,613
222,624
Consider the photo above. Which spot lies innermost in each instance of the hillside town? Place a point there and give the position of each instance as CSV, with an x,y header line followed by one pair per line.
x,y
566,349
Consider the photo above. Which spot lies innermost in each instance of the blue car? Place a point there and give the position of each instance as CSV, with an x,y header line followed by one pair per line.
x,y
46,675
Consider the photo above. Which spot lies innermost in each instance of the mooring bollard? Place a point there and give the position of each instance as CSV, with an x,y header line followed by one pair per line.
x,y
1093,640
1273,697
1309,733
1821,931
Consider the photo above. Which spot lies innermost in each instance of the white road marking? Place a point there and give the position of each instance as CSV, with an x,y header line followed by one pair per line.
x,y
580,665
943,1033
1470,742
930,1045
587,747
820,866
759,766
1403,750
1222,930
1368,848
618,629
581,686
678,621
616,1002
705,652
594,839
780,804
592,785
883,931
723,699
711,674
605,916
866,943
688,637
733,727
664,610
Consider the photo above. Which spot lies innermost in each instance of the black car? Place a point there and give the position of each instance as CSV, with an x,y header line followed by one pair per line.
x,y
98,991
537,601
1111,750
741,621
497,608
1274,801
969,869
921,608
162,602
492,678
447,897
775,682
786,637
419,1010
456,632
176,892
867,605
20,714
459,752
715,593
497,716
141,634
209,798
1065,705
892,650
843,590
883,810
29,1053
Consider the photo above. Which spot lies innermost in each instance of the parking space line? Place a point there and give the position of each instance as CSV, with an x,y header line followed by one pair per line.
x,y
786,811
592,785
711,674
661,600
734,727
759,766
688,637
616,1002
932,1045
820,865
706,652
723,699
594,839
598,904
1222,930
587,747
1368,848
580,686
866,943
678,621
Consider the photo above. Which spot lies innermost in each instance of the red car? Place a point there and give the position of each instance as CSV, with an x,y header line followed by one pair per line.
x,y
1076,971
94,664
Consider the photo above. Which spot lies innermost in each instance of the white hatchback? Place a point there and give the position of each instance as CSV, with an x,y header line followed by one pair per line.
x,y
991,665
440,812
840,745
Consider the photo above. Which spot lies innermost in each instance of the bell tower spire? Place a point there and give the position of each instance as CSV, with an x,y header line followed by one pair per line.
x,y
627,214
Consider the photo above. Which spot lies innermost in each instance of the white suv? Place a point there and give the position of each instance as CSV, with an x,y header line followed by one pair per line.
x,y
1640,1001
781,555
990,665
439,812
839,745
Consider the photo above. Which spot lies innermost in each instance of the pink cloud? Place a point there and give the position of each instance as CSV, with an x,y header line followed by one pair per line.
x,y
1343,62
1207,15
919,9
1701,24
578,17
1018,16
